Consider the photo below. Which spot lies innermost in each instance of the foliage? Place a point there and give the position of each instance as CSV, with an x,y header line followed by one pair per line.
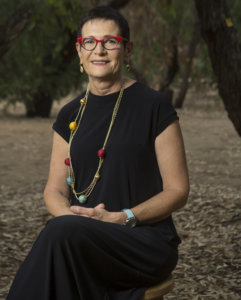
x,y
154,23
37,59
41,60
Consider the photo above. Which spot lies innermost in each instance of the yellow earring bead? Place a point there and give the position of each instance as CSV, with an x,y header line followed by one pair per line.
x,y
82,70
72,125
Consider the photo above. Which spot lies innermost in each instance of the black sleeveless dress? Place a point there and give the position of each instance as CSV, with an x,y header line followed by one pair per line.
x,y
78,258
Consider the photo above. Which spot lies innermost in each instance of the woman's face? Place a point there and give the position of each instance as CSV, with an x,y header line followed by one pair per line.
x,y
101,63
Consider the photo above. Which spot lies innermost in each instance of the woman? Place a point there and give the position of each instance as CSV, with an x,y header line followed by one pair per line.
x,y
124,174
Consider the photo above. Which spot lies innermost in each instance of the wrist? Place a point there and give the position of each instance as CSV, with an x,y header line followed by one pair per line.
x,y
130,218
62,212
122,218
118,218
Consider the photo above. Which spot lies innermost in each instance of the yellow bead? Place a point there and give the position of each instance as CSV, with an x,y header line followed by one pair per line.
x,y
72,125
83,101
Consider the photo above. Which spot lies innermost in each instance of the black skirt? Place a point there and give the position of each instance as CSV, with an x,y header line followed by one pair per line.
x,y
78,258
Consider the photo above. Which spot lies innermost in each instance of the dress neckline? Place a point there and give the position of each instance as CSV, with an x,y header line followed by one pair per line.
x,y
110,97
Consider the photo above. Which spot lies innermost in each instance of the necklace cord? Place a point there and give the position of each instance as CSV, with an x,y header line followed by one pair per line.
x,y
84,194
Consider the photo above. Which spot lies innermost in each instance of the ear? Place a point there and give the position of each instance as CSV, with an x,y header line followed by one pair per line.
x,y
128,51
78,49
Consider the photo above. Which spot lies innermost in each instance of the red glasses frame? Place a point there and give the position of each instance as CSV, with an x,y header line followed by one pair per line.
x,y
119,39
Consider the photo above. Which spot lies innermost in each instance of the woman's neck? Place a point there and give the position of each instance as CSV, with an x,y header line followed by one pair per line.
x,y
104,87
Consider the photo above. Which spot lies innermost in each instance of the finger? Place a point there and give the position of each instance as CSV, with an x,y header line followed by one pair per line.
x,y
101,205
74,209
82,210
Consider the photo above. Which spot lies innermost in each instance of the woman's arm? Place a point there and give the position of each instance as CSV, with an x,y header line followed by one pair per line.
x,y
57,191
170,153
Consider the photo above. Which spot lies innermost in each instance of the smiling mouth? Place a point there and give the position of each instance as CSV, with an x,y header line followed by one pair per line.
x,y
100,62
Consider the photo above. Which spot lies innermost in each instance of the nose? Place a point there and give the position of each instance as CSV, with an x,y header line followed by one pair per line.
x,y
99,49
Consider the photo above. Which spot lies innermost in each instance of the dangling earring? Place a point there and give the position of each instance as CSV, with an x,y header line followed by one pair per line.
x,y
128,67
81,68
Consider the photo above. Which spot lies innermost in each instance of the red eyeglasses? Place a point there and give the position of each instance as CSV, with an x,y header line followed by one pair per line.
x,y
109,42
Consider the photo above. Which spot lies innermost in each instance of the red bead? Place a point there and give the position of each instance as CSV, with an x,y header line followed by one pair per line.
x,y
101,153
67,161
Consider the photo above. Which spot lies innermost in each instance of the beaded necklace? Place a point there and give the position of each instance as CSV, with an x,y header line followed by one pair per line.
x,y
73,126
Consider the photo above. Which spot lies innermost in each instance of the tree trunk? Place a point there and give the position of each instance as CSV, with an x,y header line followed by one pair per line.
x,y
13,28
172,67
219,34
188,63
40,106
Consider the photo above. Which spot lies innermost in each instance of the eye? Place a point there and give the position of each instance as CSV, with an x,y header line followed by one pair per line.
x,y
110,41
88,41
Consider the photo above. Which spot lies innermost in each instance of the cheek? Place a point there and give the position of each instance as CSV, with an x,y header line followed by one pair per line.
x,y
118,61
85,58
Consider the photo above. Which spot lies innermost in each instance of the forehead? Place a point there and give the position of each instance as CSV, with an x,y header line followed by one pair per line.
x,y
100,28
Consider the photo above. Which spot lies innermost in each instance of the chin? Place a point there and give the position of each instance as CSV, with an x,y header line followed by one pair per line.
x,y
101,74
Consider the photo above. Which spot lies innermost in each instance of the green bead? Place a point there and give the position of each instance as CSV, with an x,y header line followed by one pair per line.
x,y
82,199
69,180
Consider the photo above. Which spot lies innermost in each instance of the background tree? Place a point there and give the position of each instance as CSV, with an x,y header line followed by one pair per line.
x,y
161,31
43,65
39,68
13,27
188,61
224,49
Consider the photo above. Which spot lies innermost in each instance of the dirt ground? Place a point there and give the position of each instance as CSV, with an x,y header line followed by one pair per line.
x,y
210,260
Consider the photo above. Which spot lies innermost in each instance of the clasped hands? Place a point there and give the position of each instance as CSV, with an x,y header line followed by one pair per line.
x,y
99,213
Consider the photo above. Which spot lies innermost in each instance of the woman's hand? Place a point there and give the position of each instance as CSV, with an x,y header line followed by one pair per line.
x,y
99,213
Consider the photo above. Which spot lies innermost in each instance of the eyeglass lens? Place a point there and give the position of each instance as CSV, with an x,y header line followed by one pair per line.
x,y
108,43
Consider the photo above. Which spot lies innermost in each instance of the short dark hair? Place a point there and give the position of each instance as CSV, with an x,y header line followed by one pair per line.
x,y
106,13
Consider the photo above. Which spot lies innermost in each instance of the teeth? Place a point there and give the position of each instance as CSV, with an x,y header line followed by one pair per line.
x,y
99,62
